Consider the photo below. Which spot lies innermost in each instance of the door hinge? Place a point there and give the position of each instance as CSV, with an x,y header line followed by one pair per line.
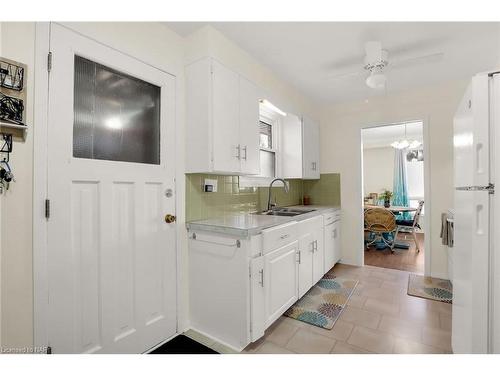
x,y
49,62
47,208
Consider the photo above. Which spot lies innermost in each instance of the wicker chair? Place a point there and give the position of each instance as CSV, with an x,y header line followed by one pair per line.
x,y
380,221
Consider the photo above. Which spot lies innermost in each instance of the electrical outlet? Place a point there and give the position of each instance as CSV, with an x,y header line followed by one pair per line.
x,y
210,186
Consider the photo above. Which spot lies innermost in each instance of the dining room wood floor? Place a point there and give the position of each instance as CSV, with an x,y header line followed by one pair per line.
x,y
405,260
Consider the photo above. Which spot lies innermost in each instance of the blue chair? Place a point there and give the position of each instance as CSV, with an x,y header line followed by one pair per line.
x,y
411,225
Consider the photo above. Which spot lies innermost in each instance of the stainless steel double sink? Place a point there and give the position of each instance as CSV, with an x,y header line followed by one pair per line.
x,y
285,212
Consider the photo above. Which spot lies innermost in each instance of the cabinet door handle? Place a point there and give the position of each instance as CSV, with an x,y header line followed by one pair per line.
x,y
261,272
238,152
312,246
245,149
300,257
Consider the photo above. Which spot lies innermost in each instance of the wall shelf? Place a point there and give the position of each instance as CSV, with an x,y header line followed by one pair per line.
x,y
18,131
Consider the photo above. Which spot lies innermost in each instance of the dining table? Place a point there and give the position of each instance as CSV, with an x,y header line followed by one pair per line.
x,y
393,209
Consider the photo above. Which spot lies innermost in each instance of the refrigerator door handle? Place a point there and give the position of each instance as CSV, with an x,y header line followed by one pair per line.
x,y
490,188
480,221
479,158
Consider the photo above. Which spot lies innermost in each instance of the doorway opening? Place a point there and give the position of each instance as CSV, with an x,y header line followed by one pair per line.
x,y
393,185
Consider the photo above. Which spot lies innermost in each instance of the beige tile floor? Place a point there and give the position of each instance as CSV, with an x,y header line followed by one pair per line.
x,y
380,318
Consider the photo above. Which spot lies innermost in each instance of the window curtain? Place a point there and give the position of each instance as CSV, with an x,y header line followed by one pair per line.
x,y
400,184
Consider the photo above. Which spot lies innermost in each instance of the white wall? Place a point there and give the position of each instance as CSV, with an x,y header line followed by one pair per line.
x,y
17,207
341,153
378,169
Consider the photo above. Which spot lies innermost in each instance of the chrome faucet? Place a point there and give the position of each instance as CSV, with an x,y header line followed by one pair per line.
x,y
285,184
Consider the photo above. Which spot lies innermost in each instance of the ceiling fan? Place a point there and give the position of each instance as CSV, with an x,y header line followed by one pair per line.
x,y
376,64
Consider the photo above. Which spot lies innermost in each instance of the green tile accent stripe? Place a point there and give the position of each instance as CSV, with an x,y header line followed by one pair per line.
x,y
231,199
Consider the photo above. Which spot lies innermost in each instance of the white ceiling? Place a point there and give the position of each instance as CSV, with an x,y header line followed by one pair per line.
x,y
307,54
383,136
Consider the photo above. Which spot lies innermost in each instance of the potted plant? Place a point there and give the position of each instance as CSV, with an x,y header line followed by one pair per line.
x,y
386,196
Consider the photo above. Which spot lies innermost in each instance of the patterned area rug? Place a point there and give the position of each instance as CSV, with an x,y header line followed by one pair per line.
x,y
430,288
323,303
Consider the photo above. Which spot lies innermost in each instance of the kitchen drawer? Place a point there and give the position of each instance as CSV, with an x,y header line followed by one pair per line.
x,y
330,217
279,236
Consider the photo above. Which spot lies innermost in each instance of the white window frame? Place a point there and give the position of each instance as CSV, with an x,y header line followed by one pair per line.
x,y
275,121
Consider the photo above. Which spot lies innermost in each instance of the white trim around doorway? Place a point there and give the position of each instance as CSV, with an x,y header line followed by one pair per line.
x,y
427,185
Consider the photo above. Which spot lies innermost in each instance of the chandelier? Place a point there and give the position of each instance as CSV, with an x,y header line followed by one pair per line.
x,y
406,143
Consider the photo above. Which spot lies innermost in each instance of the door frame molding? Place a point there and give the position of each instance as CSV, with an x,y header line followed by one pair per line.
x,y
427,185
40,185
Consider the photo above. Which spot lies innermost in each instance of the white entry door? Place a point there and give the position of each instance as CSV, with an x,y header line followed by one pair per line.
x,y
111,253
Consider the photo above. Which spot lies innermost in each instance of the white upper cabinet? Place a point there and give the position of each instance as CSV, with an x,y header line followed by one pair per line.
x,y
225,119
249,127
310,149
222,120
300,144
291,145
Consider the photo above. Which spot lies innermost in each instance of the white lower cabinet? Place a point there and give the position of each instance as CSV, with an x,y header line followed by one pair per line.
x,y
280,281
258,299
239,286
331,240
319,253
306,254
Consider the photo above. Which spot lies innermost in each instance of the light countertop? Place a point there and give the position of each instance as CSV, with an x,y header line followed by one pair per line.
x,y
245,225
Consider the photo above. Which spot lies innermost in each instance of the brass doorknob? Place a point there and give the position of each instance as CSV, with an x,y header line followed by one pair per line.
x,y
169,218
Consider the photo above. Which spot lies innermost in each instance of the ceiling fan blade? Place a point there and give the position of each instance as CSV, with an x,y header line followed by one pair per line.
x,y
373,51
425,59
346,75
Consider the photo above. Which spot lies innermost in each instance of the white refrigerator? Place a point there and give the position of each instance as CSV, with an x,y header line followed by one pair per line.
x,y
476,267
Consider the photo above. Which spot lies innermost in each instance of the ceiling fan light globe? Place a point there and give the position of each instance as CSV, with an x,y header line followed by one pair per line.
x,y
376,80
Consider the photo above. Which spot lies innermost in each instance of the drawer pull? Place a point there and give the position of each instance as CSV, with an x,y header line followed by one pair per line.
x,y
284,236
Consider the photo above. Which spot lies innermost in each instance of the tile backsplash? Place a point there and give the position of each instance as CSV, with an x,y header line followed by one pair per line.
x,y
231,198
325,191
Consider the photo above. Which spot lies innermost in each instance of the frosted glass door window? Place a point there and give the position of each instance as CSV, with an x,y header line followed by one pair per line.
x,y
117,116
